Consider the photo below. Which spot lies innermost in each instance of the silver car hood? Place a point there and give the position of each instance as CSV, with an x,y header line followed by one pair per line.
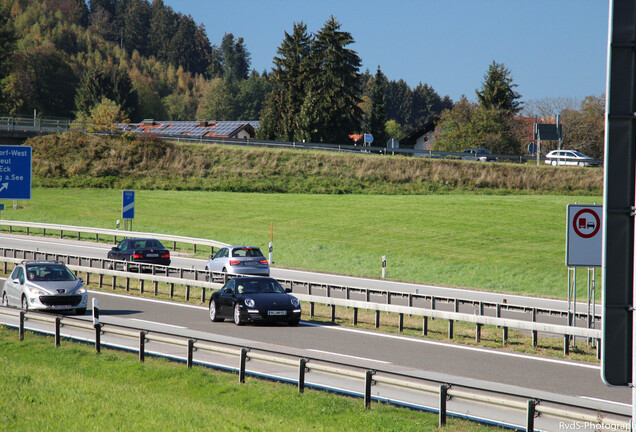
x,y
56,287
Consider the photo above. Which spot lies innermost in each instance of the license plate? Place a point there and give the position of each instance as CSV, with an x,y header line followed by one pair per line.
x,y
277,312
152,255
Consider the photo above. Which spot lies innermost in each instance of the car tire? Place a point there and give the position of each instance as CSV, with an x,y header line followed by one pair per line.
x,y
80,311
5,300
294,322
581,164
237,315
25,303
213,313
554,163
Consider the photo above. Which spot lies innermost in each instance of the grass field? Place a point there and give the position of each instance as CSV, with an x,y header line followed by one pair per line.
x,y
509,244
44,388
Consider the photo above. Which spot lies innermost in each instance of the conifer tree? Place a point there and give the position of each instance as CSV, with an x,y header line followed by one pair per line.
x,y
498,90
331,108
377,117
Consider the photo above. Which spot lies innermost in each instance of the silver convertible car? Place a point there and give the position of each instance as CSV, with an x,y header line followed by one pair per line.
x,y
46,285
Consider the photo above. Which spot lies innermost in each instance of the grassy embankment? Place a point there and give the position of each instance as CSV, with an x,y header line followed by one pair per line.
x,y
497,227
44,388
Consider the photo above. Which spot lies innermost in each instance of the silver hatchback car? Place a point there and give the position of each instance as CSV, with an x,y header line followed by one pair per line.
x,y
46,285
241,260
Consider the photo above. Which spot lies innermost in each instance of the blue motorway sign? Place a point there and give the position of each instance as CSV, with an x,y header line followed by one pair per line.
x,y
15,172
128,205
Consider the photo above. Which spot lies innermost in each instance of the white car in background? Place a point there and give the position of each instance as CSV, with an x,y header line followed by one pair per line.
x,y
569,157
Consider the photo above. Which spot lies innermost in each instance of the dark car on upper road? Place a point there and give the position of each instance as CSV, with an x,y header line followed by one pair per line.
x,y
478,154
254,299
45,285
141,250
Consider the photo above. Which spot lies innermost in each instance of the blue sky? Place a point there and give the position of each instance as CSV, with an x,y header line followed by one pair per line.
x,y
553,48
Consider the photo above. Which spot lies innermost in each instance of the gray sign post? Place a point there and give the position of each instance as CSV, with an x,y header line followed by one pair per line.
x,y
618,200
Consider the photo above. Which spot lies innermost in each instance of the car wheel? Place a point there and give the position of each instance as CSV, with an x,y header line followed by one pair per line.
x,y
237,315
554,163
213,314
294,322
80,311
25,304
5,300
581,164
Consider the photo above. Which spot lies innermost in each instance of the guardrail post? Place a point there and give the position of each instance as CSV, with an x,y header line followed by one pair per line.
x,y
532,403
156,284
368,382
505,336
566,344
58,321
101,280
242,365
535,334
127,284
187,293
401,323
424,326
190,352
311,309
598,349
114,283
450,329
171,290
141,285
377,319
333,313
98,337
478,333
21,327
302,368
443,397
355,316
142,346
202,294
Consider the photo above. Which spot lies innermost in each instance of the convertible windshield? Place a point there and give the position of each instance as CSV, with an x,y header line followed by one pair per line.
x,y
50,273
259,287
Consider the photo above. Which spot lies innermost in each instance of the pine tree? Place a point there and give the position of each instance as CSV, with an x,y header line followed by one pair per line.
x,y
377,117
289,77
331,109
497,90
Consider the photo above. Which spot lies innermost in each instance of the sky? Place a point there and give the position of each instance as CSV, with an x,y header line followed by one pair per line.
x,y
552,48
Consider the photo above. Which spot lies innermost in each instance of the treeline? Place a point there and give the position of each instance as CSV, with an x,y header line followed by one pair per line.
x,y
66,57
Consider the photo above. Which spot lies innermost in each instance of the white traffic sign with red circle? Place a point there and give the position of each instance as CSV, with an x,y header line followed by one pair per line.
x,y
584,244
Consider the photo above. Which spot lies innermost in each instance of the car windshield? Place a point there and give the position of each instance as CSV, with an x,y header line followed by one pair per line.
x,y
579,154
49,273
259,286
247,252
147,244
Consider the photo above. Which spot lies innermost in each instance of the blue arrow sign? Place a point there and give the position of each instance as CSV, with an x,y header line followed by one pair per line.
x,y
15,172
128,205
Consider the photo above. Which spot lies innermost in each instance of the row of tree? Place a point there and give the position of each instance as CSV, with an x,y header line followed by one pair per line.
x,y
132,59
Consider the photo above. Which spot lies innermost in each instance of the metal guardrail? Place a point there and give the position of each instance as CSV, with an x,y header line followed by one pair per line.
x,y
34,124
111,233
217,279
526,405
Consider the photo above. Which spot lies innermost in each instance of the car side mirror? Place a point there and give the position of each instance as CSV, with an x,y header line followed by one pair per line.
x,y
227,290
17,281
114,248
288,290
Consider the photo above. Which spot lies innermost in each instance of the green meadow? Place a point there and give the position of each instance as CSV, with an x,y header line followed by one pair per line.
x,y
501,243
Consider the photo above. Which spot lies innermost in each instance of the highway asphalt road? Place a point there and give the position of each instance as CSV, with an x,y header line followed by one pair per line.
x,y
100,250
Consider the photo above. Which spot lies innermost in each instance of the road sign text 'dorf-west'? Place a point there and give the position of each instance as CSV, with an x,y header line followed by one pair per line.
x,y
15,172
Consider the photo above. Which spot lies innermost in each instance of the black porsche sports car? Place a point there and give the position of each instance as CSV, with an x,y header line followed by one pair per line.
x,y
254,299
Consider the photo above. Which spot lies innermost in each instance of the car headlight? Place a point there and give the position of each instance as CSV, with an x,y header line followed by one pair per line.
x,y
295,302
36,291
249,302
81,290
